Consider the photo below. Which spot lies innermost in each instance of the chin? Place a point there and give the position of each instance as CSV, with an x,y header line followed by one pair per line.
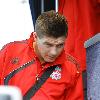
x,y
49,60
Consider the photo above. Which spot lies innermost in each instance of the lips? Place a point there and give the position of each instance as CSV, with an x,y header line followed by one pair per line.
x,y
52,58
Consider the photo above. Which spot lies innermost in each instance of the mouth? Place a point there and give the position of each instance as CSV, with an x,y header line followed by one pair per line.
x,y
51,58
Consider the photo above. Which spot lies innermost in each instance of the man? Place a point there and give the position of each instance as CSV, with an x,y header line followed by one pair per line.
x,y
22,63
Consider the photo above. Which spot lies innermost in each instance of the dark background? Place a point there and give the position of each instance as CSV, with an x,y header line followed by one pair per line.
x,y
35,6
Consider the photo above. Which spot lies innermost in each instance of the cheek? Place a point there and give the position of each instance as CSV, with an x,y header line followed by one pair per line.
x,y
46,54
43,50
59,50
40,48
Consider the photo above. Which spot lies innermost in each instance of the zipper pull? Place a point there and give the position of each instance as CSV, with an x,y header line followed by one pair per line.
x,y
37,77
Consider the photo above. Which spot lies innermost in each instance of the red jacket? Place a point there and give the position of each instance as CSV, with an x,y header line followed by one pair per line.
x,y
20,65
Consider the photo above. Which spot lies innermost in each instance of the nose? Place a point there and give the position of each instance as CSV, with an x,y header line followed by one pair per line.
x,y
53,51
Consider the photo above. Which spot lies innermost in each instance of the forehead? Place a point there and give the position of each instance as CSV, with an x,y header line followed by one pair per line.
x,y
53,40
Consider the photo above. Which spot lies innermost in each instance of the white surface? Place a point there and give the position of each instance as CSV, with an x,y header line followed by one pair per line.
x,y
15,21
56,5
12,91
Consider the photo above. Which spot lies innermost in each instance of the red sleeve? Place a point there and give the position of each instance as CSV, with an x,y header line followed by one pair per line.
x,y
3,52
76,91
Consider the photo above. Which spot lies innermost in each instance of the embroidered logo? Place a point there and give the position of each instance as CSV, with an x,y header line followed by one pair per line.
x,y
56,73
15,60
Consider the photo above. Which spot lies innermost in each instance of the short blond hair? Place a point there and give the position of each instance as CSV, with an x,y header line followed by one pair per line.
x,y
52,24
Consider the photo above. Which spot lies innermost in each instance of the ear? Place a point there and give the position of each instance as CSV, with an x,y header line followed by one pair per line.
x,y
35,36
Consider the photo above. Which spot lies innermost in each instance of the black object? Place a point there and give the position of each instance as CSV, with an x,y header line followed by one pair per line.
x,y
84,75
35,7
31,92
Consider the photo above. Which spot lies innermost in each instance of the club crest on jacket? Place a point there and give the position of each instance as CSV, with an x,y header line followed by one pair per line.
x,y
56,75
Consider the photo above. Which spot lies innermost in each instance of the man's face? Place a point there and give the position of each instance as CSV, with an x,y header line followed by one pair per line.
x,y
49,47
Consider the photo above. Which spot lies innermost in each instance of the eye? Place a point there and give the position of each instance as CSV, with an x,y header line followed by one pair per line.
x,y
60,45
48,45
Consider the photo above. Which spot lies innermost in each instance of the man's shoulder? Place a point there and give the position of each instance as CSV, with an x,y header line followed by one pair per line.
x,y
72,65
73,61
15,44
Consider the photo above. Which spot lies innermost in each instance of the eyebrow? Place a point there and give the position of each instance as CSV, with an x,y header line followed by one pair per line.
x,y
47,43
52,44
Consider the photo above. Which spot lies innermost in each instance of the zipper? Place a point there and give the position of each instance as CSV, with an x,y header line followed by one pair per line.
x,y
14,72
